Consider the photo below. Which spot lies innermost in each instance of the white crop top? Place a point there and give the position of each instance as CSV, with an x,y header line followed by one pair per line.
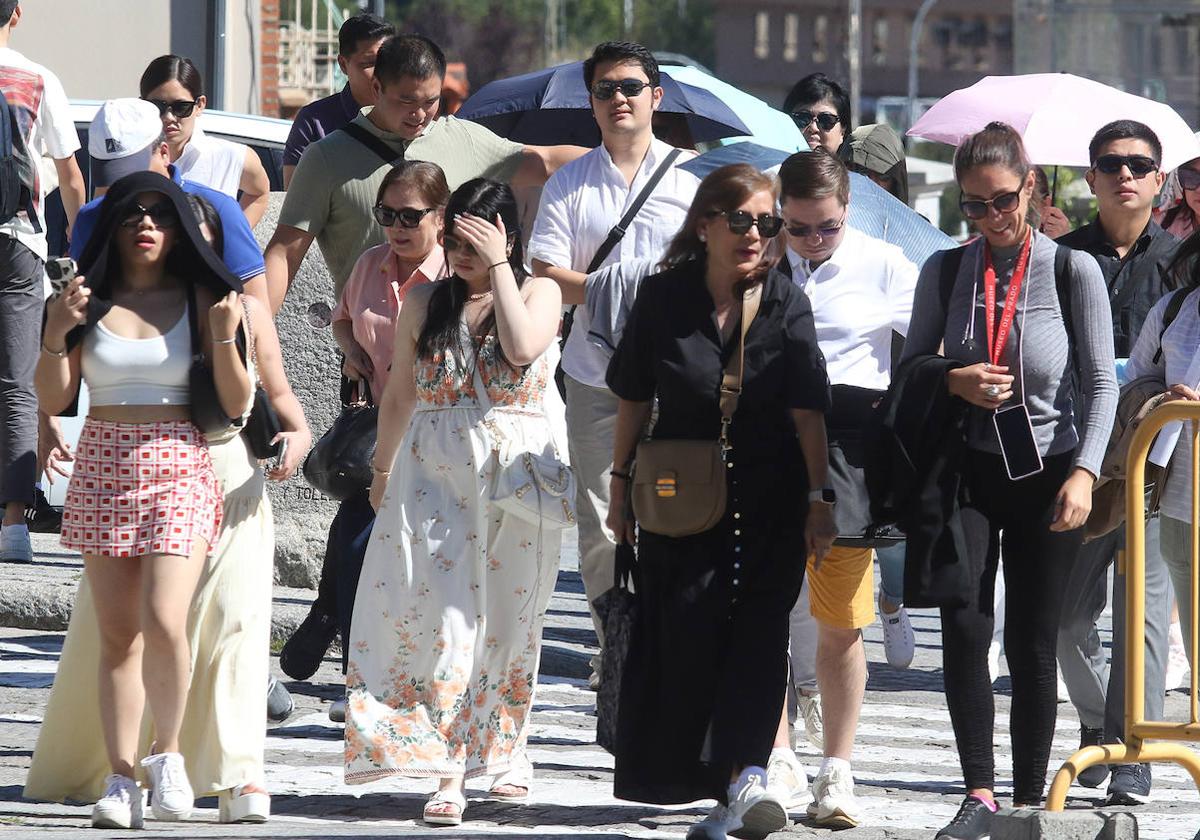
x,y
138,371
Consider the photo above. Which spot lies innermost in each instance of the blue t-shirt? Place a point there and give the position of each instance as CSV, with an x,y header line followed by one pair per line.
x,y
242,255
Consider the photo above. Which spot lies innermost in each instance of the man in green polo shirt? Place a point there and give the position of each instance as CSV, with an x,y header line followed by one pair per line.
x,y
333,188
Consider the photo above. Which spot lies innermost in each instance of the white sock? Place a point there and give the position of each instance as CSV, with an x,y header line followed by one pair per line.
x,y
830,763
782,754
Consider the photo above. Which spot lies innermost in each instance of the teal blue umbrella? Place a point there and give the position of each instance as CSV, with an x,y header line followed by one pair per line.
x,y
768,126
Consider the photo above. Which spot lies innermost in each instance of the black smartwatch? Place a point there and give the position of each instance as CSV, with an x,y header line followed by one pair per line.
x,y
825,496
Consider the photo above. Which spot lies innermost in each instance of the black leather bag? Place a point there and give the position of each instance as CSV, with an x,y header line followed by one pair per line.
x,y
263,423
849,415
339,465
205,404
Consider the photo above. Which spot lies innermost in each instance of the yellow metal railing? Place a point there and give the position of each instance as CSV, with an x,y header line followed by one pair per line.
x,y
1136,750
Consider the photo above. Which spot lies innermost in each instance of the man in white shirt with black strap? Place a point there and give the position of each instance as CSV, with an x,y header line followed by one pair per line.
x,y
861,290
580,205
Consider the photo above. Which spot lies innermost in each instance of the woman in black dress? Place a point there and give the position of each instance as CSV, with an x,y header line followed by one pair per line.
x,y
703,687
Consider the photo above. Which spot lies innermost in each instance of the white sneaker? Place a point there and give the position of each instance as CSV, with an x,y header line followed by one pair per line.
x,y
899,644
756,811
337,710
121,805
834,804
171,796
1178,666
786,780
716,825
15,546
809,706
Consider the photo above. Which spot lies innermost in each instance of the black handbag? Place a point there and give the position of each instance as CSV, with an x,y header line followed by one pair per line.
x,y
617,609
263,423
849,414
205,405
339,465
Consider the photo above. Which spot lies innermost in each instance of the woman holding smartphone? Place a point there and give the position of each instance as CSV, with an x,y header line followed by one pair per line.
x,y
1037,372
223,734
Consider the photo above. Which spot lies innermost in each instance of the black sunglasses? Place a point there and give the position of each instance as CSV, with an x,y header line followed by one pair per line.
x,y
976,209
408,217
740,222
825,120
162,214
180,108
1189,178
823,231
629,88
1139,165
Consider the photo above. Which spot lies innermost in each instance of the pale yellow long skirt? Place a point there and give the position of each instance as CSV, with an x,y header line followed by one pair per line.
x,y
224,727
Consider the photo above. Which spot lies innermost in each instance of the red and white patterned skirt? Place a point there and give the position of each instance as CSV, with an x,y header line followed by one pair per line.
x,y
139,489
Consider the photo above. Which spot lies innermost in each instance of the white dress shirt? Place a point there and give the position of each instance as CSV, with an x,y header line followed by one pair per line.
x,y
860,296
580,204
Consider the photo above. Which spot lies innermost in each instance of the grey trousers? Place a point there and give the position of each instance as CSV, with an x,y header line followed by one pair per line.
x,y
591,424
1097,688
1177,553
21,307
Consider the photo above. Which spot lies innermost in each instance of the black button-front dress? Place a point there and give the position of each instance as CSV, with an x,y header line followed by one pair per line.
x,y
704,684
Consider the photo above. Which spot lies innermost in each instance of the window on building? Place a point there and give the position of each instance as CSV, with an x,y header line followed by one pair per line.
x,y
762,35
791,36
879,41
820,47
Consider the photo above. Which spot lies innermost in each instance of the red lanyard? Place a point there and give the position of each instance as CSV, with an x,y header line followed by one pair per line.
x,y
998,337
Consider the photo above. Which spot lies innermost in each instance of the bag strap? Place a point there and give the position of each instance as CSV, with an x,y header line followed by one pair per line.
x,y
380,148
193,324
618,232
1169,315
731,379
949,273
252,345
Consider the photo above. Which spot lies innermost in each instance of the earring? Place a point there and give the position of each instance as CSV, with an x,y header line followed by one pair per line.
x,y
702,237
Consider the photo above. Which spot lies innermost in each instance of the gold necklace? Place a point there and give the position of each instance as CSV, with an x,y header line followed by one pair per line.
x,y
479,296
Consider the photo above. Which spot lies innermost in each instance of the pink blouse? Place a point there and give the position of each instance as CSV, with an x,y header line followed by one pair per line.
x,y
371,302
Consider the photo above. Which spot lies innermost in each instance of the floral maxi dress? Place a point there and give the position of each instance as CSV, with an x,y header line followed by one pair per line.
x,y
448,618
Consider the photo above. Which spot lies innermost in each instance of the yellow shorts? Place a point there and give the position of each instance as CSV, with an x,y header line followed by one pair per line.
x,y
841,592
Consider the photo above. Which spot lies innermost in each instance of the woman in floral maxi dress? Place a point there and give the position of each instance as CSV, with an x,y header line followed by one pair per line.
x,y
447,624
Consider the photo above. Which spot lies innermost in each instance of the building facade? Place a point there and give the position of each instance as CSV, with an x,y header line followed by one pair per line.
x,y
765,46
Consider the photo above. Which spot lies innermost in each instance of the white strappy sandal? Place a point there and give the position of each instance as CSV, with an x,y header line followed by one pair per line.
x,y
445,807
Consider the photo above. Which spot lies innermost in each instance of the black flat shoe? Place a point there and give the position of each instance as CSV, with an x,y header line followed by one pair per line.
x,y
302,653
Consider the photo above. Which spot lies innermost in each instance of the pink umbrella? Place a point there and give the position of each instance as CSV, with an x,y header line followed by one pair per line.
x,y
1056,114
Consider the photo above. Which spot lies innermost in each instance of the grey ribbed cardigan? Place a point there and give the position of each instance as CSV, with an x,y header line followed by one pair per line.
x,y
1070,376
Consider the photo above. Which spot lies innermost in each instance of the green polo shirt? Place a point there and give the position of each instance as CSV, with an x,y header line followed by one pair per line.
x,y
334,186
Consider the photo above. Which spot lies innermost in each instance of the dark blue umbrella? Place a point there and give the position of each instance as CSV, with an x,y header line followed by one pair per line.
x,y
552,107
873,210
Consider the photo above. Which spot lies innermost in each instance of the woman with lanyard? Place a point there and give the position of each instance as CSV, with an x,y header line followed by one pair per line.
x,y
1037,374
173,84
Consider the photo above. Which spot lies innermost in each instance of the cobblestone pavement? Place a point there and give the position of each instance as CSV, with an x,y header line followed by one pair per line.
x,y
905,764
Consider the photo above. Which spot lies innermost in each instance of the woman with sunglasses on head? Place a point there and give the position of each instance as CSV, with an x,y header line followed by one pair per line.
x,y
408,206
143,505
1038,380
715,604
448,617
1180,217
174,85
821,110
223,734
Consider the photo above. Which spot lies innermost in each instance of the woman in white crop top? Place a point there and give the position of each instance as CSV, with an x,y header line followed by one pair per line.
x,y
173,83
144,504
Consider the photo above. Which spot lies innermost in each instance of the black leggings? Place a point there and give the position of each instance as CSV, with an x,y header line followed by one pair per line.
x,y
1015,516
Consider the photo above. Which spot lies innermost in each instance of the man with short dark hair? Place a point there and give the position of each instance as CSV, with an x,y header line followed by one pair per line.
x,y
580,205
333,189
359,39
43,120
1135,254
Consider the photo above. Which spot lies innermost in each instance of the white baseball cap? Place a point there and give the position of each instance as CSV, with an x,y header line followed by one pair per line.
x,y
121,139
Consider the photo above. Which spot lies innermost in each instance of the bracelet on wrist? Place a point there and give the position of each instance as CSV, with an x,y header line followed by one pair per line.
x,y
624,476
497,265
58,354
378,471
224,340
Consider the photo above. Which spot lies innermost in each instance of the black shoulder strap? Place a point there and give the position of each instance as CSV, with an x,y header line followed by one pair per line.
x,y
1172,310
618,232
386,152
950,265
1062,283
